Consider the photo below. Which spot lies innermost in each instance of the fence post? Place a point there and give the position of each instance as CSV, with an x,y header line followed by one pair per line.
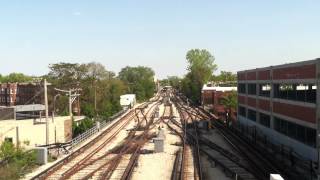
x,y
98,126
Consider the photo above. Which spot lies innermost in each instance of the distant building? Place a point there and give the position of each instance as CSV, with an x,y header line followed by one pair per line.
x,y
12,94
283,103
212,95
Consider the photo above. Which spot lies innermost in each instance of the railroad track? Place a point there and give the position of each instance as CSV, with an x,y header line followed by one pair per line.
x,y
87,158
261,164
227,160
189,154
133,144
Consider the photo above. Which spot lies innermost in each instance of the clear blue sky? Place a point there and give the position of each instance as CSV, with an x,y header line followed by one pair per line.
x,y
240,34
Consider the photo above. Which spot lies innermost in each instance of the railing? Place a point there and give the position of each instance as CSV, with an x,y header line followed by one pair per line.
x,y
96,128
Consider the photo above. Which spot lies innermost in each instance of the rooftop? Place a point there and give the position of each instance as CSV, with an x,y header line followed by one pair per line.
x,y
306,62
218,88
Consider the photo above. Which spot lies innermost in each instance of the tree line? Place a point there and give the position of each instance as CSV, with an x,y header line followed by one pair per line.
x,y
200,70
15,77
100,88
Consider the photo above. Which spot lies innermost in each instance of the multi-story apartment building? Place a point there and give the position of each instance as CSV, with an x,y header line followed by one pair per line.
x,y
283,102
12,94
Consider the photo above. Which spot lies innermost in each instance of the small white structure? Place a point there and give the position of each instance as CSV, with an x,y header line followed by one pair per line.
x,y
275,177
158,145
42,155
128,100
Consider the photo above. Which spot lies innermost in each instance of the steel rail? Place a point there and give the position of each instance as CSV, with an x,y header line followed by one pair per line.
x,y
56,167
230,161
134,157
198,166
115,162
263,167
49,171
83,162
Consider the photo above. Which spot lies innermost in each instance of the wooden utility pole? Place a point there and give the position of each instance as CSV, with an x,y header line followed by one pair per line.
x,y
95,95
17,136
70,104
72,98
47,111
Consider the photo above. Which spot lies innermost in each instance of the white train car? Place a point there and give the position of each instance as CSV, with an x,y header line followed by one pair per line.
x,y
128,100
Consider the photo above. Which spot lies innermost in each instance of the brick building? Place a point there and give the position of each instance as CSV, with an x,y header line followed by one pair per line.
x,y
211,97
12,94
283,103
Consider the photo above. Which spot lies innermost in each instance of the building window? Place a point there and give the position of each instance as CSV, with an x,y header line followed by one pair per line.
x,y
8,139
264,90
252,89
295,131
264,119
296,92
252,115
311,137
242,111
242,88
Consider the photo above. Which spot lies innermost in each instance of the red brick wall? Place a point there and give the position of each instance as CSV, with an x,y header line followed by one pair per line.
x,y
264,104
242,99
264,75
241,76
251,102
298,72
294,111
251,76
207,97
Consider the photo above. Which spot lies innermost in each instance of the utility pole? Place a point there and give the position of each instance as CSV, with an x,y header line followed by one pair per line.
x,y
95,96
70,104
46,107
17,136
71,96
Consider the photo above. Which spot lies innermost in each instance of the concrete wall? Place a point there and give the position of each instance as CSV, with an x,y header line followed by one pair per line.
x,y
59,131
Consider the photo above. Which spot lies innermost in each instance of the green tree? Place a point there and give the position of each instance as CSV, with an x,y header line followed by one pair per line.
x,y
200,69
99,87
140,81
66,75
18,161
110,97
16,77
84,125
230,101
224,76
174,81
97,71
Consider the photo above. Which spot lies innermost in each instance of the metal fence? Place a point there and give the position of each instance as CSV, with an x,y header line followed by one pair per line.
x,y
96,128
